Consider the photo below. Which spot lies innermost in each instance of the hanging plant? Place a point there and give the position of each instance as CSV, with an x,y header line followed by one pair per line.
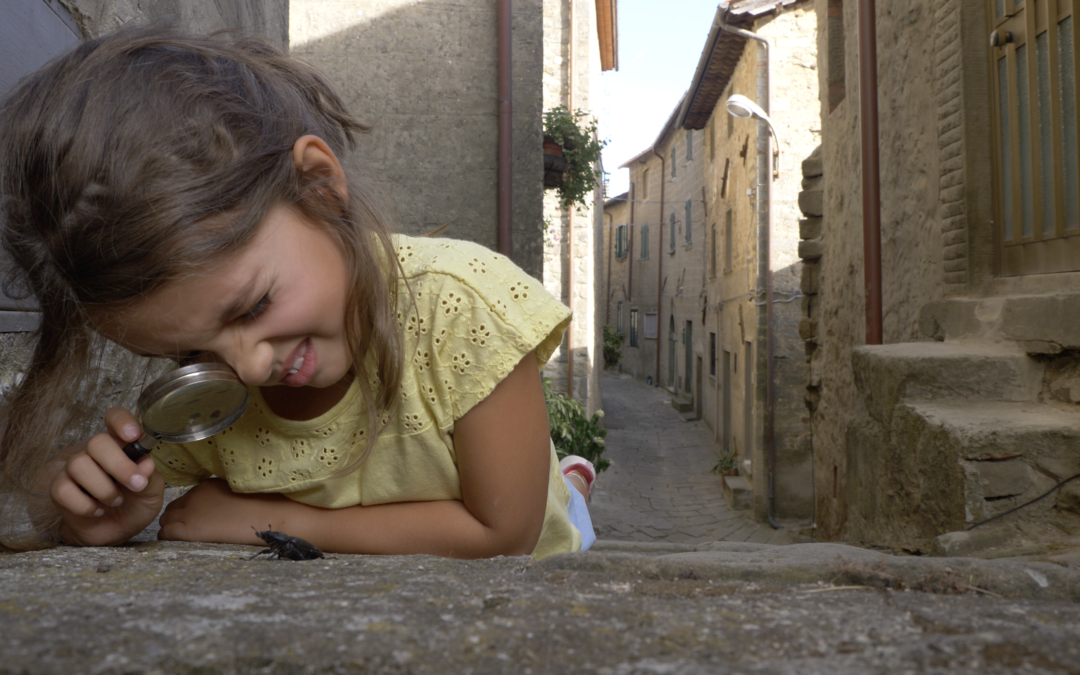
x,y
580,152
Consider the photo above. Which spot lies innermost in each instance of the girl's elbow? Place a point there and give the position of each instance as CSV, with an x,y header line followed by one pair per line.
x,y
520,540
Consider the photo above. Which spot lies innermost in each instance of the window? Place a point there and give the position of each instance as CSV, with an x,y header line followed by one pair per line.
x,y
712,354
671,249
618,318
689,145
712,139
834,28
689,220
645,184
633,327
644,242
620,241
1035,82
674,154
712,251
729,238
650,326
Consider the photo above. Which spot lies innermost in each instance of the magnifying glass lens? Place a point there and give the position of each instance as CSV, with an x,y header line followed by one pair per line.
x,y
189,404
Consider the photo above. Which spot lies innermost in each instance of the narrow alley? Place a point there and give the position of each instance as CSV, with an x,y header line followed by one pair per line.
x,y
660,486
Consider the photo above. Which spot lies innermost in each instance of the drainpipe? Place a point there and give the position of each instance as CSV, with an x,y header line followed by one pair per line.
x,y
660,263
871,174
607,286
506,107
570,228
630,248
765,274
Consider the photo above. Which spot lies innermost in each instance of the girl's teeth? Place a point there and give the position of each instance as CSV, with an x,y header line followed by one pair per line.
x,y
298,363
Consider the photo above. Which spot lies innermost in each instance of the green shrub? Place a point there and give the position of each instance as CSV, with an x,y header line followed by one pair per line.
x,y
581,150
572,432
612,347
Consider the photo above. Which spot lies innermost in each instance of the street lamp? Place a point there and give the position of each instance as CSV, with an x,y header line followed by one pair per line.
x,y
739,106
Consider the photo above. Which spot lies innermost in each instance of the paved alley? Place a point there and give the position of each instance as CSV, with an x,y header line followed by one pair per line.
x,y
660,486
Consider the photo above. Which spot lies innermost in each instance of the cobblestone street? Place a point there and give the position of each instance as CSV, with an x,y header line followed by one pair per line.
x,y
660,486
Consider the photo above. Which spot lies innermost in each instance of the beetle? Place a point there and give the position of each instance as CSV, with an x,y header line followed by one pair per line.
x,y
280,545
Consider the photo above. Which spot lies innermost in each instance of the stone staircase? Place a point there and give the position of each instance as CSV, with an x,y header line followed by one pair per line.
x,y
959,431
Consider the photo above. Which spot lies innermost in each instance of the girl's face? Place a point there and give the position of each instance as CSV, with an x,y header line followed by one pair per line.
x,y
274,311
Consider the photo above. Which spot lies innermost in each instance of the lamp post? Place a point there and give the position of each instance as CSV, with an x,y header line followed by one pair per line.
x,y
740,106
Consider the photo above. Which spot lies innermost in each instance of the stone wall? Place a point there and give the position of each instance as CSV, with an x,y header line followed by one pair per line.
x,y
912,269
616,214
424,76
570,46
269,18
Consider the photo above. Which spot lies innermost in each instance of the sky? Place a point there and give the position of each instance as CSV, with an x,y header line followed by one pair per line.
x,y
660,42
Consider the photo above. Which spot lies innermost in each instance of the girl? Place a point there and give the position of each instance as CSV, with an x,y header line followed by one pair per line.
x,y
185,198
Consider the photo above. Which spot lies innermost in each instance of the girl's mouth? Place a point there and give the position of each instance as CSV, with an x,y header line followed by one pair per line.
x,y
299,362
303,366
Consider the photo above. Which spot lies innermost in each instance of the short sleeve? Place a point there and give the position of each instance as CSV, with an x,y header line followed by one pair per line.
x,y
177,465
477,315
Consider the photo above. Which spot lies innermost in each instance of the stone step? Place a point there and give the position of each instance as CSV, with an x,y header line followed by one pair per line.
x,y
948,464
738,493
683,405
1038,324
888,374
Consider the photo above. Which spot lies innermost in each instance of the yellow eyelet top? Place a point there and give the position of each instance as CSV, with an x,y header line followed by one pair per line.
x,y
476,316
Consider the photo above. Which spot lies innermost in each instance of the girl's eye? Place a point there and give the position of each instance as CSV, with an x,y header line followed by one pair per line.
x,y
258,309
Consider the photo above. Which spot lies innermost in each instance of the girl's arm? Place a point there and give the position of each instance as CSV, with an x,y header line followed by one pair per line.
x,y
503,452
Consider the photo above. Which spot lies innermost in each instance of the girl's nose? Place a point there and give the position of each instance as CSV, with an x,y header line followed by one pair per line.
x,y
253,362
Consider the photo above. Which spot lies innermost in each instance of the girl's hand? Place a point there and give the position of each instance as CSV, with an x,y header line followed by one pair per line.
x,y
105,498
212,512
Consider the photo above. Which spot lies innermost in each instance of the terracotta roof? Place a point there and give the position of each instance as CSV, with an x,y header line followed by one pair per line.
x,y
720,57
620,199
607,33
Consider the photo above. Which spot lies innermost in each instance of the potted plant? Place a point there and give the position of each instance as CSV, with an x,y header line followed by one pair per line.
x,y
572,171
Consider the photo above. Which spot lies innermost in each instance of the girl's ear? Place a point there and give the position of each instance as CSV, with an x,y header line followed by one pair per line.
x,y
311,154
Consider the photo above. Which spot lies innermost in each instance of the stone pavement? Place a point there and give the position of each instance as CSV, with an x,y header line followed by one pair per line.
x,y
660,487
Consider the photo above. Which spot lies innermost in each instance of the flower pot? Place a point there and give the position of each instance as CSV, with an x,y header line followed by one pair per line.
x,y
551,147
554,164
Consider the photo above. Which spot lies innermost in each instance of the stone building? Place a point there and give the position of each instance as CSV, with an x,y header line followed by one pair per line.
x,y
616,240
580,41
425,76
972,405
660,260
697,311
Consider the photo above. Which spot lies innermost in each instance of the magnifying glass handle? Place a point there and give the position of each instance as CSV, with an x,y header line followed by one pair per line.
x,y
136,450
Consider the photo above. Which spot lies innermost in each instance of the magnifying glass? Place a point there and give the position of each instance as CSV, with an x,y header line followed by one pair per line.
x,y
188,404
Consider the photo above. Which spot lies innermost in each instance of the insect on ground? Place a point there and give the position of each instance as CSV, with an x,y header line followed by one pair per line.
x,y
282,546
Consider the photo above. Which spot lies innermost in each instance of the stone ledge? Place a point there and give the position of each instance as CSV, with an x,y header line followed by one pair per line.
x,y
887,374
173,607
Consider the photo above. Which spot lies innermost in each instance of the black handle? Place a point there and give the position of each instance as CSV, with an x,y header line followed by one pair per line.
x,y
136,450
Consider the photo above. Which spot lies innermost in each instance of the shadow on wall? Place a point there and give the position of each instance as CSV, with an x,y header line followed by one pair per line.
x,y
425,78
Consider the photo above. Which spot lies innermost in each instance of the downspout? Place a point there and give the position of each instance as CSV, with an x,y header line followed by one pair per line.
x,y
660,263
765,273
570,227
871,174
506,109
630,247
607,286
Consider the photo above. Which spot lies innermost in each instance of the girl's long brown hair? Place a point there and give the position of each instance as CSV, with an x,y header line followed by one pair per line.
x,y
113,159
